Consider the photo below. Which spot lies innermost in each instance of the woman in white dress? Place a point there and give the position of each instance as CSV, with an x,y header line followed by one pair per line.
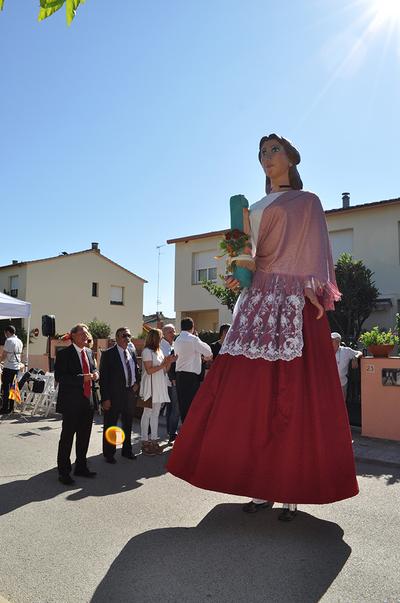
x,y
155,384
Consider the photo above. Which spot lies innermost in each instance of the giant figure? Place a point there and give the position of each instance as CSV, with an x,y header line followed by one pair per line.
x,y
269,421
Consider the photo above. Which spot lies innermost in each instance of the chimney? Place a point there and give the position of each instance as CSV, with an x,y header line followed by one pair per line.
x,y
15,262
95,247
345,200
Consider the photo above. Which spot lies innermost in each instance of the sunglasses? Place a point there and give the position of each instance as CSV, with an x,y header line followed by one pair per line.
x,y
126,336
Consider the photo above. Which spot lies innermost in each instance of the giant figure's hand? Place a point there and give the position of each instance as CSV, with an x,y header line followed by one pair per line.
x,y
232,283
309,293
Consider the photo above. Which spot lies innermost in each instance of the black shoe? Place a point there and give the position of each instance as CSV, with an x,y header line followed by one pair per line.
x,y
66,480
287,515
110,459
252,507
172,439
4,411
129,455
85,473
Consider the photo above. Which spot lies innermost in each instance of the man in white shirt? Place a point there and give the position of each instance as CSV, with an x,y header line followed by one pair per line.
x,y
189,350
166,346
343,357
11,357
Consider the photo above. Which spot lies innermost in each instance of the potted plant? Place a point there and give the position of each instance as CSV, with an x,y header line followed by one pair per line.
x,y
100,331
379,342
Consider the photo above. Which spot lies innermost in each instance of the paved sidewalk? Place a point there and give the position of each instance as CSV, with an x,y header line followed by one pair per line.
x,y
376,450
109,534
367,450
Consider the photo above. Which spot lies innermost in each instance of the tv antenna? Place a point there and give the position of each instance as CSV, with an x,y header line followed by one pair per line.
x,y
158,303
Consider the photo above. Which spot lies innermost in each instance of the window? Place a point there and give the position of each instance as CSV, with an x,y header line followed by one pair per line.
x,y
14,285
205,274
342,242
201,275
212,274
117,296
204,267
95,289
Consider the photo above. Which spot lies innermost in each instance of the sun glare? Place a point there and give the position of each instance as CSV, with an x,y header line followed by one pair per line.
x,y
370,20
385,12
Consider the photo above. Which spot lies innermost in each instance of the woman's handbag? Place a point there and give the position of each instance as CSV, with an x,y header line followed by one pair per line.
x,y
145,396
144,403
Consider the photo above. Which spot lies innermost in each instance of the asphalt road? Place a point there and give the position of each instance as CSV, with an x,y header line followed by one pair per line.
x,y
135,533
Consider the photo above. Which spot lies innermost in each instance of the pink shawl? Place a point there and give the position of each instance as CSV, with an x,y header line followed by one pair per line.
x,y
293,246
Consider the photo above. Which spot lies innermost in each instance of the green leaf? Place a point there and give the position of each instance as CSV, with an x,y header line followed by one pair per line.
x,y
99,329
225,296
71,7
359,296
48,8
51,3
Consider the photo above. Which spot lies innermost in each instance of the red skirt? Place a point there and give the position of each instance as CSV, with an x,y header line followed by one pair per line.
x,y
278,430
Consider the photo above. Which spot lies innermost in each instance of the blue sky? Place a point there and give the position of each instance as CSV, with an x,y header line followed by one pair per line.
x,y
137,123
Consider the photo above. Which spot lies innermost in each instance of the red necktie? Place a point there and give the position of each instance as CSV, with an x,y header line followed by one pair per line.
x,y
87,386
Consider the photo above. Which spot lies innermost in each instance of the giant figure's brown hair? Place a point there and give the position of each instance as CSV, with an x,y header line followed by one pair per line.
x,y
293,156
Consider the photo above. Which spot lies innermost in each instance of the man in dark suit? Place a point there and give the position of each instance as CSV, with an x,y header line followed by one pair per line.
x,y
217,345
119,383
75,372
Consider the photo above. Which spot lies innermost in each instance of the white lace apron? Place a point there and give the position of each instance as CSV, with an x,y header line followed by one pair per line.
x,y
268,321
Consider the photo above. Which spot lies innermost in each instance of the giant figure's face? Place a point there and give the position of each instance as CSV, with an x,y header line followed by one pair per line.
x,y
274,160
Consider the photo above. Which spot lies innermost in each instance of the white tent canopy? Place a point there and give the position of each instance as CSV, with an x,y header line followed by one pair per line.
x,y
11,307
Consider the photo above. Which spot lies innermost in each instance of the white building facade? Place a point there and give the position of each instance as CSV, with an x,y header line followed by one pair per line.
x,y
369,232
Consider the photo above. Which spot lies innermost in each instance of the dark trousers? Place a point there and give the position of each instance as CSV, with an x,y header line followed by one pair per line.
x,y
111,417
172,411
77,422
7,377
187,385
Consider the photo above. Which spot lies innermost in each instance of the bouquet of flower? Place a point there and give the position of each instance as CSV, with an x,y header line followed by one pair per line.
x,y
236,245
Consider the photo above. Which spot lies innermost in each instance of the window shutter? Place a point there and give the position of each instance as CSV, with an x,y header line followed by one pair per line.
x,y
204,266
117,296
